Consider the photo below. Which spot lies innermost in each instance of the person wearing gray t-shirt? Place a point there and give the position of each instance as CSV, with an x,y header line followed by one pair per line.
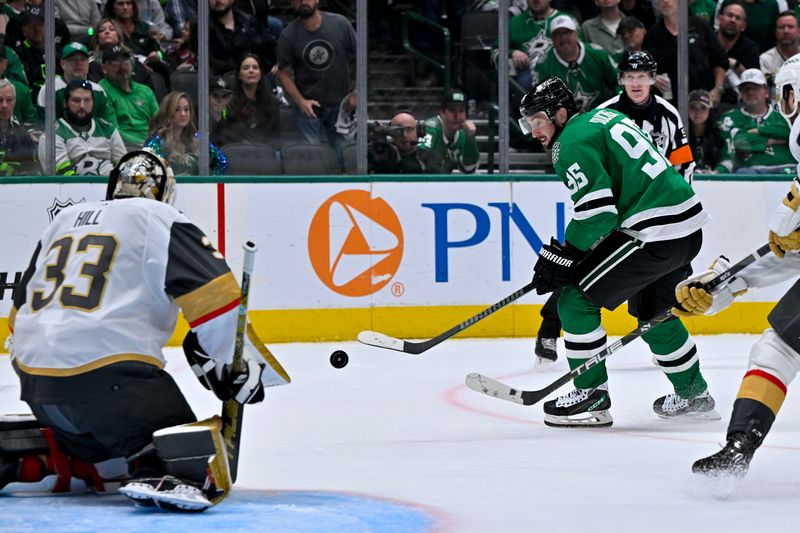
x,y
313,67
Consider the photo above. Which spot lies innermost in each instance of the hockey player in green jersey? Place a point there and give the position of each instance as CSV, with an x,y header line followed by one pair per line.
x,y
635,229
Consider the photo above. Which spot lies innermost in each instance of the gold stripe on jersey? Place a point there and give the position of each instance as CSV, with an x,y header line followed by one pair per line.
x,y
762,387
88,367
217,294
11,316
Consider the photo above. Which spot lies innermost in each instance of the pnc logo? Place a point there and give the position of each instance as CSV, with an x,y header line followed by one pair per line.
x,y
355,243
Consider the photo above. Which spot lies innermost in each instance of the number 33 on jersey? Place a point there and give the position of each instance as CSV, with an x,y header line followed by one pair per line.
x,y
617,178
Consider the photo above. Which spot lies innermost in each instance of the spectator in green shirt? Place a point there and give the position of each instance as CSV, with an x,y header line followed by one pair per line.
x,y
131,105
452,135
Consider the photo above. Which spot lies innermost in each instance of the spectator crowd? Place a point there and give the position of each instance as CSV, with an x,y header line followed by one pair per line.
x,y
127,78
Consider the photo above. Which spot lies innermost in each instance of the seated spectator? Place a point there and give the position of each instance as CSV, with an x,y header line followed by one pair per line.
x,y
708,61
179,12
79,16
252,115
24,109
755,134
232,33
631,31
14,35
84,145
151,12
395,149
452,135
742,52
31,50
704,137
174,137
139,36
75,66
529,40
107,34
17,148
586,68
131,105
761,16
316,77
787,34
653,114
219,98
182,54
602,29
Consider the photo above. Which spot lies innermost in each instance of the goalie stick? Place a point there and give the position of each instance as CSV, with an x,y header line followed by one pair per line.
x,y
233,411
373,338
491,387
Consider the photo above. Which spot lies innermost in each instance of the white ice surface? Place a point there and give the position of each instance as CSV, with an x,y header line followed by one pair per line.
x,y
404,427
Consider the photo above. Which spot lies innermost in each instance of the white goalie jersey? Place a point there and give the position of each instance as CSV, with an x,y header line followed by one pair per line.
x,y
101,263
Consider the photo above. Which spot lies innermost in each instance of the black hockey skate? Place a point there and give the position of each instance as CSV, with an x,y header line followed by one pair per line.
x,y
579,408
166,492
545,349
733,460
698,408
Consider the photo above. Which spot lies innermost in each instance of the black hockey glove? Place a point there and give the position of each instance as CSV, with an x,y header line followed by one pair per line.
x,y
555,266
221,379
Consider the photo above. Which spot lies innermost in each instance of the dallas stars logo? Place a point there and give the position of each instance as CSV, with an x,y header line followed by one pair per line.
x,y
538,47
59,206
583,98
555,152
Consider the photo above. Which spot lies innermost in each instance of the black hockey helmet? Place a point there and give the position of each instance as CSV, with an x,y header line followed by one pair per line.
x,y
547,96
637,61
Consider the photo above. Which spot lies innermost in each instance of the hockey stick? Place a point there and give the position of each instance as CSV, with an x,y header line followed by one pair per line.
x,y
490,387
373,338
233,411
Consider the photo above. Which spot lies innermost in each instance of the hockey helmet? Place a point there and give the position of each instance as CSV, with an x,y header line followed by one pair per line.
x,y
637,61
142,174
546,97
788,77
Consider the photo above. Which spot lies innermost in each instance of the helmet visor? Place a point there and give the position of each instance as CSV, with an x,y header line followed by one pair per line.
x,y
537,121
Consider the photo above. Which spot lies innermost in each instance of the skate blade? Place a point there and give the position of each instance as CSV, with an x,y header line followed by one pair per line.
x,y
144,495
592,419
705,416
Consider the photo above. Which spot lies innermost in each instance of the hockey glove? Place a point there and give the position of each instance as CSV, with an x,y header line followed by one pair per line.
x,y
694,300
221,378
780,245
555,266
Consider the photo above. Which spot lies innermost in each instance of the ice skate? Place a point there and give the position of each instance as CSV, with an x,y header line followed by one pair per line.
x,y
545,349
731,461
166,492
579,408
676,407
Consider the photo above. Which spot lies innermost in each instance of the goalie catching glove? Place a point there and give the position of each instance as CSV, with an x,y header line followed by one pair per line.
x,y
694,300
261,369
555,266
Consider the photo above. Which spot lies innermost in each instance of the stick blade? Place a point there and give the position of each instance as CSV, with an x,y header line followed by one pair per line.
x,y
490,387
379,340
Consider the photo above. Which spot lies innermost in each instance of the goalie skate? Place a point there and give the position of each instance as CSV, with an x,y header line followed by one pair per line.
x,y
579,408
166,492
676,407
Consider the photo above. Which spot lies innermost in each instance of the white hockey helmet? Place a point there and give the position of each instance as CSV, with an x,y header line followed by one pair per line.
x,y
142,174
788,77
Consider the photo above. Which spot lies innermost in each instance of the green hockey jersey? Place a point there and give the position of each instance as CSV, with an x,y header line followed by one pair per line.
x,y
618,179
592,78
747,148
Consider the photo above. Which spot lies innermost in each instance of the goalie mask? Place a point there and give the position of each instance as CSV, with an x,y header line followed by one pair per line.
x,y
142,174
787,87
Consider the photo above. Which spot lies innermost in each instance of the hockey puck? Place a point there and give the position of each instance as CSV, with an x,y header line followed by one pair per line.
x,y
339,359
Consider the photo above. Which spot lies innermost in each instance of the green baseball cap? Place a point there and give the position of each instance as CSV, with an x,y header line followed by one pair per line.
x,y
74,48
